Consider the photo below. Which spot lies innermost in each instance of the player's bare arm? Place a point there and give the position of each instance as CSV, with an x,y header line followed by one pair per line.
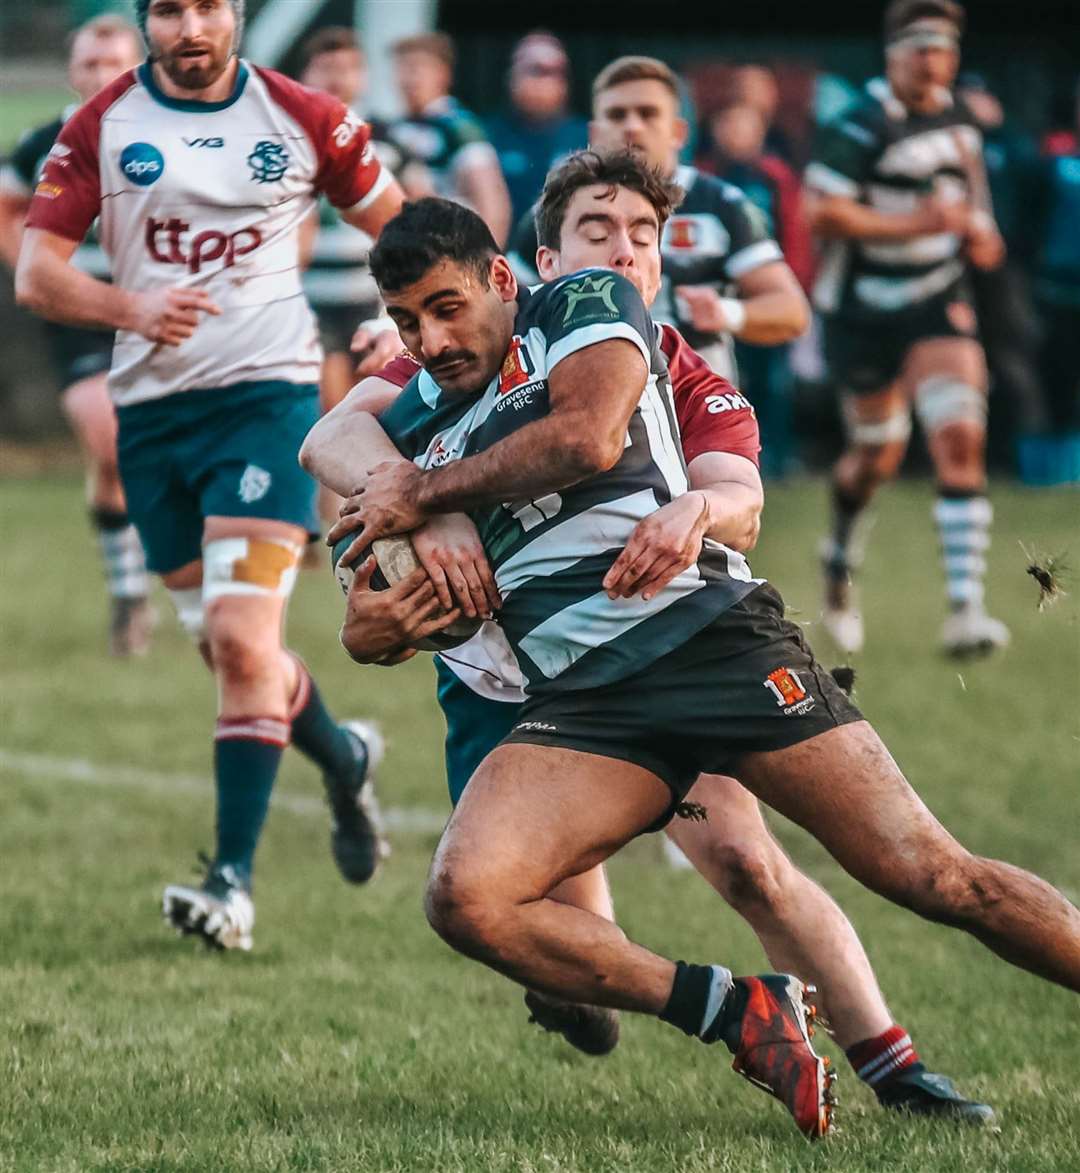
x,y
580,437
47,283
724,503
370,217
339,450
846,218
13,211
771,307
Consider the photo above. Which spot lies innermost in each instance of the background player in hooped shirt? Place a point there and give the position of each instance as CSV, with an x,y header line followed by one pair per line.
x,y
202,168
800,927
100,51
898,190
724,276
630,699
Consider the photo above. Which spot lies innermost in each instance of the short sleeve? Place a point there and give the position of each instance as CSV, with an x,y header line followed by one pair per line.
x,y
713,415
752,243
67,198
399,370
402,420
842,158
593,306
349,173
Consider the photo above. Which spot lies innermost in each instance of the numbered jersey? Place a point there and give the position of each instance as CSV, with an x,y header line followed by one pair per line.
x,y
550,554
714,237
882,155
208,196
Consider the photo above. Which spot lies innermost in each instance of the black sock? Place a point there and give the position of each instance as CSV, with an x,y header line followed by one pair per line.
x,y
845,513
698,999
315,733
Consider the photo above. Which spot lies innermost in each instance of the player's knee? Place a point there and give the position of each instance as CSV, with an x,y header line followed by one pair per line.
x,y
460,909
239,654
961,891
749,876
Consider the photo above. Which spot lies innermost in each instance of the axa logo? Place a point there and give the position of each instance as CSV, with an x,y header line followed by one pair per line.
x,y
789,692
214,144
166,244
728,401
142,163
346,129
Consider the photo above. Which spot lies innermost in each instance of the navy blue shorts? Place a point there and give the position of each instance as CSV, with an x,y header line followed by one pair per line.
x,y
220,452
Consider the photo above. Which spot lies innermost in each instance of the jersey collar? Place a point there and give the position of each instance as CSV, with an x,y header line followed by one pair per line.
x,y
146,76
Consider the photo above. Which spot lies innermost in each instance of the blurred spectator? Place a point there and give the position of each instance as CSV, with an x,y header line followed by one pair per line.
x,y
1002,295
756,86
1054,211
536,131
735,152
337,279
446,136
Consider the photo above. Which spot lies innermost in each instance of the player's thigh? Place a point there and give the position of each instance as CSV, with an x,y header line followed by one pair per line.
x,y
961,359
732,841
844,787
90,411
534,815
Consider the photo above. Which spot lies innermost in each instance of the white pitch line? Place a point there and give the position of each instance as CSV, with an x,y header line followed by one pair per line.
x,y
411,819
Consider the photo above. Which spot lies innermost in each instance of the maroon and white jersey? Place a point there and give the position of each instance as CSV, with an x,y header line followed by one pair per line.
x,y
208,196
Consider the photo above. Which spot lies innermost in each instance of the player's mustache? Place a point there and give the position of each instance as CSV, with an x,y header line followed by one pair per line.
x,y
447,359
191,47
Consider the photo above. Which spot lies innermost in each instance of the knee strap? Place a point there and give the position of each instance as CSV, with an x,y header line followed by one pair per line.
x,y
249,566
893,429
943,399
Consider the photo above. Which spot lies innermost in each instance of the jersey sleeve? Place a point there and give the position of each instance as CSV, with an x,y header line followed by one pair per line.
x,y
399,370
589,307
752,244
403,420
469,144
713,415
842,157
67,198
349,173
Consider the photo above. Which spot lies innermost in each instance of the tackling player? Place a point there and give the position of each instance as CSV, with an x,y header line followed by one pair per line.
x,y
100,51
629,699
898,192
201,168
800,927
724,276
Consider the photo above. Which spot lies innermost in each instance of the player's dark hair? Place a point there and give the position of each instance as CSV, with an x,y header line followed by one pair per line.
x,y
624,69
437,44
426,232
611,169
901,13
332,39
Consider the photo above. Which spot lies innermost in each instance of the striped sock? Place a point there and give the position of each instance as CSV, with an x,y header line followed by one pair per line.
x,y
963,520
122,554
878,1060
247,752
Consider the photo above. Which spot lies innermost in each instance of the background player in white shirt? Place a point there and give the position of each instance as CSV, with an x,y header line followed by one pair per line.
x,y
99,52
202,168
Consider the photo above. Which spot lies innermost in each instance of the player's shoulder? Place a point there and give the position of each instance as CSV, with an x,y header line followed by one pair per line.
x,y
315,110
92,113
865,119
38,140
585,297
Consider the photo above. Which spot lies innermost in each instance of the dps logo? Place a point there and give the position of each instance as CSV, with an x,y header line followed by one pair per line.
x,y
142,163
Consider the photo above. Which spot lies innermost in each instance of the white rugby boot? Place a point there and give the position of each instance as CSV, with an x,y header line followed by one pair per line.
x,y
969,631
840,616
221,912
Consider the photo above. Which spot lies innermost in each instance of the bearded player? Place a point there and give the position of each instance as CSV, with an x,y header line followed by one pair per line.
x,y
201,168
899,196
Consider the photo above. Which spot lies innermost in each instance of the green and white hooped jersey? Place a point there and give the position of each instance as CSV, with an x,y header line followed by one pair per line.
x,y
550,554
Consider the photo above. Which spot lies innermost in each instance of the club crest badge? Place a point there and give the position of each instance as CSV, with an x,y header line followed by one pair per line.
x,y
789,692
517,367
268,162
254,484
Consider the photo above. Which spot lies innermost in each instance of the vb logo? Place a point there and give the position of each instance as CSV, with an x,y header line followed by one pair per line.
x,y
164,244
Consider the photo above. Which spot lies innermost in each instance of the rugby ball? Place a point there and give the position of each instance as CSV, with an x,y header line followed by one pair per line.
x,y
396,559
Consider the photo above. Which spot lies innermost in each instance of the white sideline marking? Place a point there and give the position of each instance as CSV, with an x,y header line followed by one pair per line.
x,y
410,819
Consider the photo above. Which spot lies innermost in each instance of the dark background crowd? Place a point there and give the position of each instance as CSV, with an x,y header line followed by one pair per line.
x,y
754,101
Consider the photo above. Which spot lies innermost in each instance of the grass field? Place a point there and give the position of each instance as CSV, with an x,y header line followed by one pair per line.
x,y
352,1038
